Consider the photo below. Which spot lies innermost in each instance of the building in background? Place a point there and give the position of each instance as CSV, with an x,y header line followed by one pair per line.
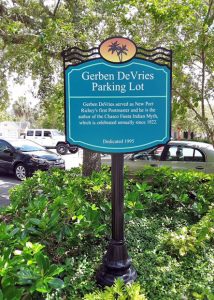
x,y
9,129
184,134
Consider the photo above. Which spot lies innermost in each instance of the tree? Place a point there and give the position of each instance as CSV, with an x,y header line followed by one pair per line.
x,y
4,95
4,116
23,111
91,162
187,27
194,73
32,36
52,108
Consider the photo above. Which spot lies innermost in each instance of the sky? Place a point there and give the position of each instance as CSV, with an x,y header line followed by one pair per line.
x,y
27,89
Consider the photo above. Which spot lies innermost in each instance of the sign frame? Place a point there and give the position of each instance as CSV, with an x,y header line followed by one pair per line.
x,y
76,57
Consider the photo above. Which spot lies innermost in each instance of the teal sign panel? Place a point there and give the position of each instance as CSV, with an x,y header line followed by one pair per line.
x,y
118,108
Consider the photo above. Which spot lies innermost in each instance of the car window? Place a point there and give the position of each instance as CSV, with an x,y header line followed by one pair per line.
x,y
47,133
175,153
188,154
38,133
26,146
171,153
30,133
154,154
57,133
198,156
157,152
3,146
140,156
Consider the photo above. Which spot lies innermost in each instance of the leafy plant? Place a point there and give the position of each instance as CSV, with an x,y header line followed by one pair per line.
x,y
118,291
191,238
24,267
60,221
189,189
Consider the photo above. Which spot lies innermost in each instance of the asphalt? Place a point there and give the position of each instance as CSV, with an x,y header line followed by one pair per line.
x,y
6,183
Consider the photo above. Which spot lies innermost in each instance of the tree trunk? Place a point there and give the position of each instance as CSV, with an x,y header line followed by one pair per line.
x,y
203,84
91,162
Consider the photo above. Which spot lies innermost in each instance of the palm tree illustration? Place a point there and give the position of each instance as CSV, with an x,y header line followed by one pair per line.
x,y
120,50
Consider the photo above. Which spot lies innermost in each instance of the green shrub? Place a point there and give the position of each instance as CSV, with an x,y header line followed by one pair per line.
x,y
54,234
163,187
25,270
161,274
118,291
61,207
65,214
190,238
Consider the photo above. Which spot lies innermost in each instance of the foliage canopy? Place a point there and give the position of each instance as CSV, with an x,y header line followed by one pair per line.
x,y
33,34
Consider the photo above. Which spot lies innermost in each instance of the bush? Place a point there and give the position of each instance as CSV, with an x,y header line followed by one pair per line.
x,y
190,238
56,230
192,190
24,268
62,212
118,291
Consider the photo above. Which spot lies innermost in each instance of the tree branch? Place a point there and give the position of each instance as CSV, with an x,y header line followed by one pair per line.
x,y
210,107
16,39
203,122
3,9
209,18
55,9
190,106
26,20
203,58
46,9
211,2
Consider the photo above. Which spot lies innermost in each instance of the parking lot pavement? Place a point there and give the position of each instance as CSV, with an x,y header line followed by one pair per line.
x,y
73,160
6,183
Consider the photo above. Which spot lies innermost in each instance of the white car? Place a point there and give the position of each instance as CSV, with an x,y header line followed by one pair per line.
x,y
50,139
186,155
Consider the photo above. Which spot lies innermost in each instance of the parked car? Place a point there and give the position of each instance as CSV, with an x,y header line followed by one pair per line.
x,y
50,139
22,158
184,155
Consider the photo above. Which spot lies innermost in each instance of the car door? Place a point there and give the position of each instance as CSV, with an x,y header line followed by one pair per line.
x,y
6,156
210,167
184,157
35,135
48,140
30,135
144,158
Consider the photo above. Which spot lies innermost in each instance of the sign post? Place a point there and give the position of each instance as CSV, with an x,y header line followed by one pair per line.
x,y
117,100
116,262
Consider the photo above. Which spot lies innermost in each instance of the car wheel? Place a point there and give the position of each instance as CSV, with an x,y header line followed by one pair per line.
x,y
73,151
62,149
21,172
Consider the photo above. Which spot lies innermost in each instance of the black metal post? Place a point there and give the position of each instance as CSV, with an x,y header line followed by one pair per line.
x,y
117,198
116,262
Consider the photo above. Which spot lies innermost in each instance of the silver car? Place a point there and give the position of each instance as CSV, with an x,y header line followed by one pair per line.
x,y
186,155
